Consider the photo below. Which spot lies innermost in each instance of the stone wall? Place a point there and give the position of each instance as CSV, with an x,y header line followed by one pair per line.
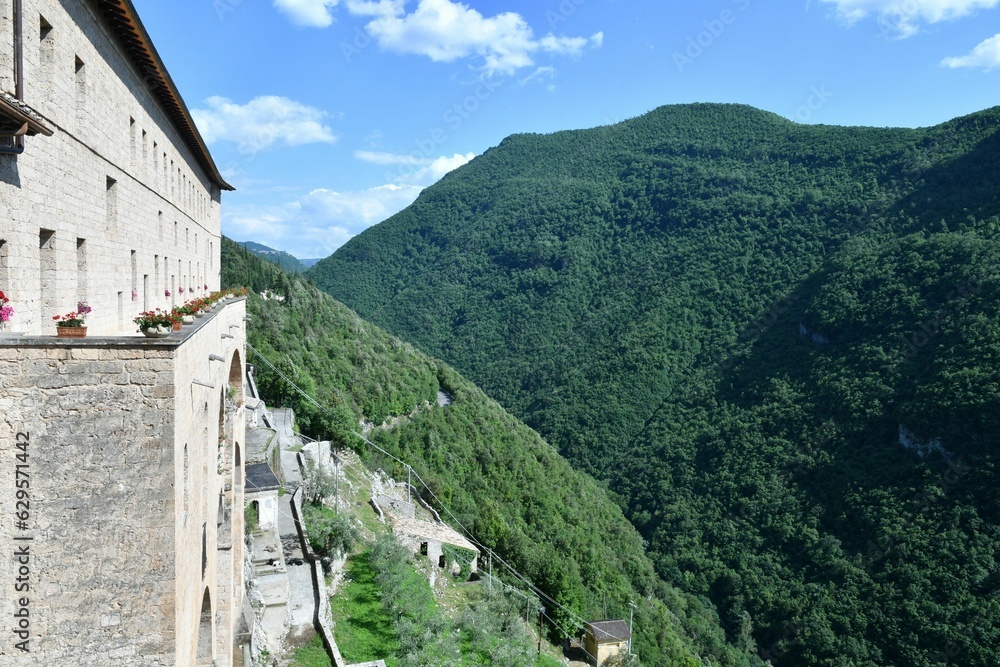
x,y
127,479
114,201
215,489
102,570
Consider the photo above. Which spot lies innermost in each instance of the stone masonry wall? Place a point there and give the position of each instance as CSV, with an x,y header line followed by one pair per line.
x,y
212,474
101,570
127,479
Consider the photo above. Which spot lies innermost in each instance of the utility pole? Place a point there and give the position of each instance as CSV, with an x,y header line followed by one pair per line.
x,y
631,611
541,612
336,484
490,585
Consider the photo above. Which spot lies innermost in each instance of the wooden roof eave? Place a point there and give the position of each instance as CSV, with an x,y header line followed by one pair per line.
x,y
21,118
135,41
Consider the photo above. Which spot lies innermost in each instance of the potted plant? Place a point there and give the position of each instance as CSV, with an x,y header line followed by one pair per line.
x,y
186,312
73,325
154,323
6,311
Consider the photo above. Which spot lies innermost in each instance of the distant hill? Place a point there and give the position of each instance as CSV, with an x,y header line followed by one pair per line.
x,y
280,257
779,344
498,477
309,263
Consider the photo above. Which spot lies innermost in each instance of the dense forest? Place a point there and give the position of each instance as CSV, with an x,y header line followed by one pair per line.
x,y
495,475
778,344
280,257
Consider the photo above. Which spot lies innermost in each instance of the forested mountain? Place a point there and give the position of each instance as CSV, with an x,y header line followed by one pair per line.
x,y
500,478
280,257
778,343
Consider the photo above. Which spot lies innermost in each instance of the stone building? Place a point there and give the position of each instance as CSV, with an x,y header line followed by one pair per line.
x,y
604,639
121,457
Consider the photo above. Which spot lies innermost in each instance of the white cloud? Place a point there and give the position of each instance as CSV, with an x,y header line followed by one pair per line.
x,y
309,13
375,7
383,158
445,31
261,123
320,222
415,169
434,171
986,55
540,75
904,17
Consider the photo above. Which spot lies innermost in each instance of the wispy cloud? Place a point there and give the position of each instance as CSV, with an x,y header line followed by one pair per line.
x,y
308,13
323,220
415,169
986,56
904,17
261,123
540,75
445,31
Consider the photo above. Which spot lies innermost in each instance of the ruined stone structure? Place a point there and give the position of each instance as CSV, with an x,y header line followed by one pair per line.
x,y
121,457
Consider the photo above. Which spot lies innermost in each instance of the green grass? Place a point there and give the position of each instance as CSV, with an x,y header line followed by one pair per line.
x,y
311,655
363,630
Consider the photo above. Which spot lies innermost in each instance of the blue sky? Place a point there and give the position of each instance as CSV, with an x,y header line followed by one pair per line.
x,y
331,115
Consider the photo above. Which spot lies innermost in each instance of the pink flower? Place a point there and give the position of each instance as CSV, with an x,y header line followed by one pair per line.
x,y
166,292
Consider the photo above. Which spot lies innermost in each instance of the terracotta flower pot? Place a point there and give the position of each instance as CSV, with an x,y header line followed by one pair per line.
x,y
176,326
71,332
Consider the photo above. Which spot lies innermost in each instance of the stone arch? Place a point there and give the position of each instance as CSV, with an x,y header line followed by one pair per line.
x,y
236,375
205,642
253,516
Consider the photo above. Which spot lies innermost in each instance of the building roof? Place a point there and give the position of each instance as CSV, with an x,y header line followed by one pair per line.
x,y
260,478
609,631
131,34
14,114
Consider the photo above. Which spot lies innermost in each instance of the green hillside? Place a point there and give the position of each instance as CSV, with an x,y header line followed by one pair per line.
x,y
499,478
736,321
280,257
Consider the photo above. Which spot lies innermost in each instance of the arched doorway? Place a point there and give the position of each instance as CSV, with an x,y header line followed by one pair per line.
x,y
205,631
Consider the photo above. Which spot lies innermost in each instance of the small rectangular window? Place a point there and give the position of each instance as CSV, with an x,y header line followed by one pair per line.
x,y
46,43
81,88
81,270
111,201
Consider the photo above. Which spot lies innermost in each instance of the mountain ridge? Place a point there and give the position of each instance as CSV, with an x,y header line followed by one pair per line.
x,y
632,291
